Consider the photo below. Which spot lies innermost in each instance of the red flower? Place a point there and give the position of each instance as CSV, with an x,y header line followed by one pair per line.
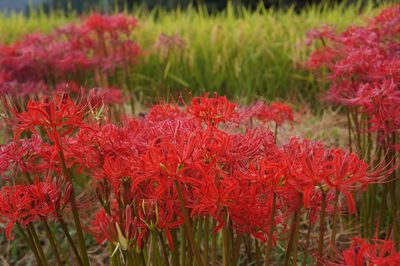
x,y
276,112
15,207
24,155
213,110
57,116
111,24
49,197
110,227
378,252
308,167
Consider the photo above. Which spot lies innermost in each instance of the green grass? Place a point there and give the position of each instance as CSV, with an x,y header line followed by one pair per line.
x,y
241,54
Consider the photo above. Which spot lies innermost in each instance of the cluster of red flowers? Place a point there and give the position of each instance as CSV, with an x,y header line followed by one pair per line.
x,y
276,112
363,70
378,252
148,172
363,63
76,53
209,163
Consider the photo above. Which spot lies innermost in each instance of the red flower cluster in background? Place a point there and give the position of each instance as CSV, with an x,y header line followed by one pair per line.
x,y
378,252
89,51
363,64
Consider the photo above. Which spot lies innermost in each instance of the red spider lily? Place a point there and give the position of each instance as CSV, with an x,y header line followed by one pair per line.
x,y
213,110
214,195
58,116
15,207
250,211
110,24
49,197
271,170
276,112
241,149
104,40
167,43
349,173
315,205
363,65
109,226
103,228
314,169
35,64
164,112
162,216
103,192
110,152
24,155
378,252
253,206
40,201
308,167
67,87
21,89
388,20
107,96
323,32
249,112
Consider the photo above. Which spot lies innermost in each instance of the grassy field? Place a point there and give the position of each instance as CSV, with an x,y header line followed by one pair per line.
x,y
238,53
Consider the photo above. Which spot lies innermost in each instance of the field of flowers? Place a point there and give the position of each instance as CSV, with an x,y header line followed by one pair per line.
x,y
108,158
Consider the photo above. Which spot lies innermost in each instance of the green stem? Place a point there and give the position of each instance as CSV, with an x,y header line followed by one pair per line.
x,y
155,248
296,238
334,220
31,245
75,213
49,234
52,243
183,246
236,250
306,248
248,248
189,260
258,260
128,258
321,229
289,247
214,246
175,255
372,193
270,232
64,227
384,206
206,238
189,229
358,133
349,129
372,204
393,198
365,214
164,249
142,259
113,260
37,243
225,242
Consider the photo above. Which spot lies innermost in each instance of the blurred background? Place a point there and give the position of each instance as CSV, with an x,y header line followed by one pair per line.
x,y
80,6
207,45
